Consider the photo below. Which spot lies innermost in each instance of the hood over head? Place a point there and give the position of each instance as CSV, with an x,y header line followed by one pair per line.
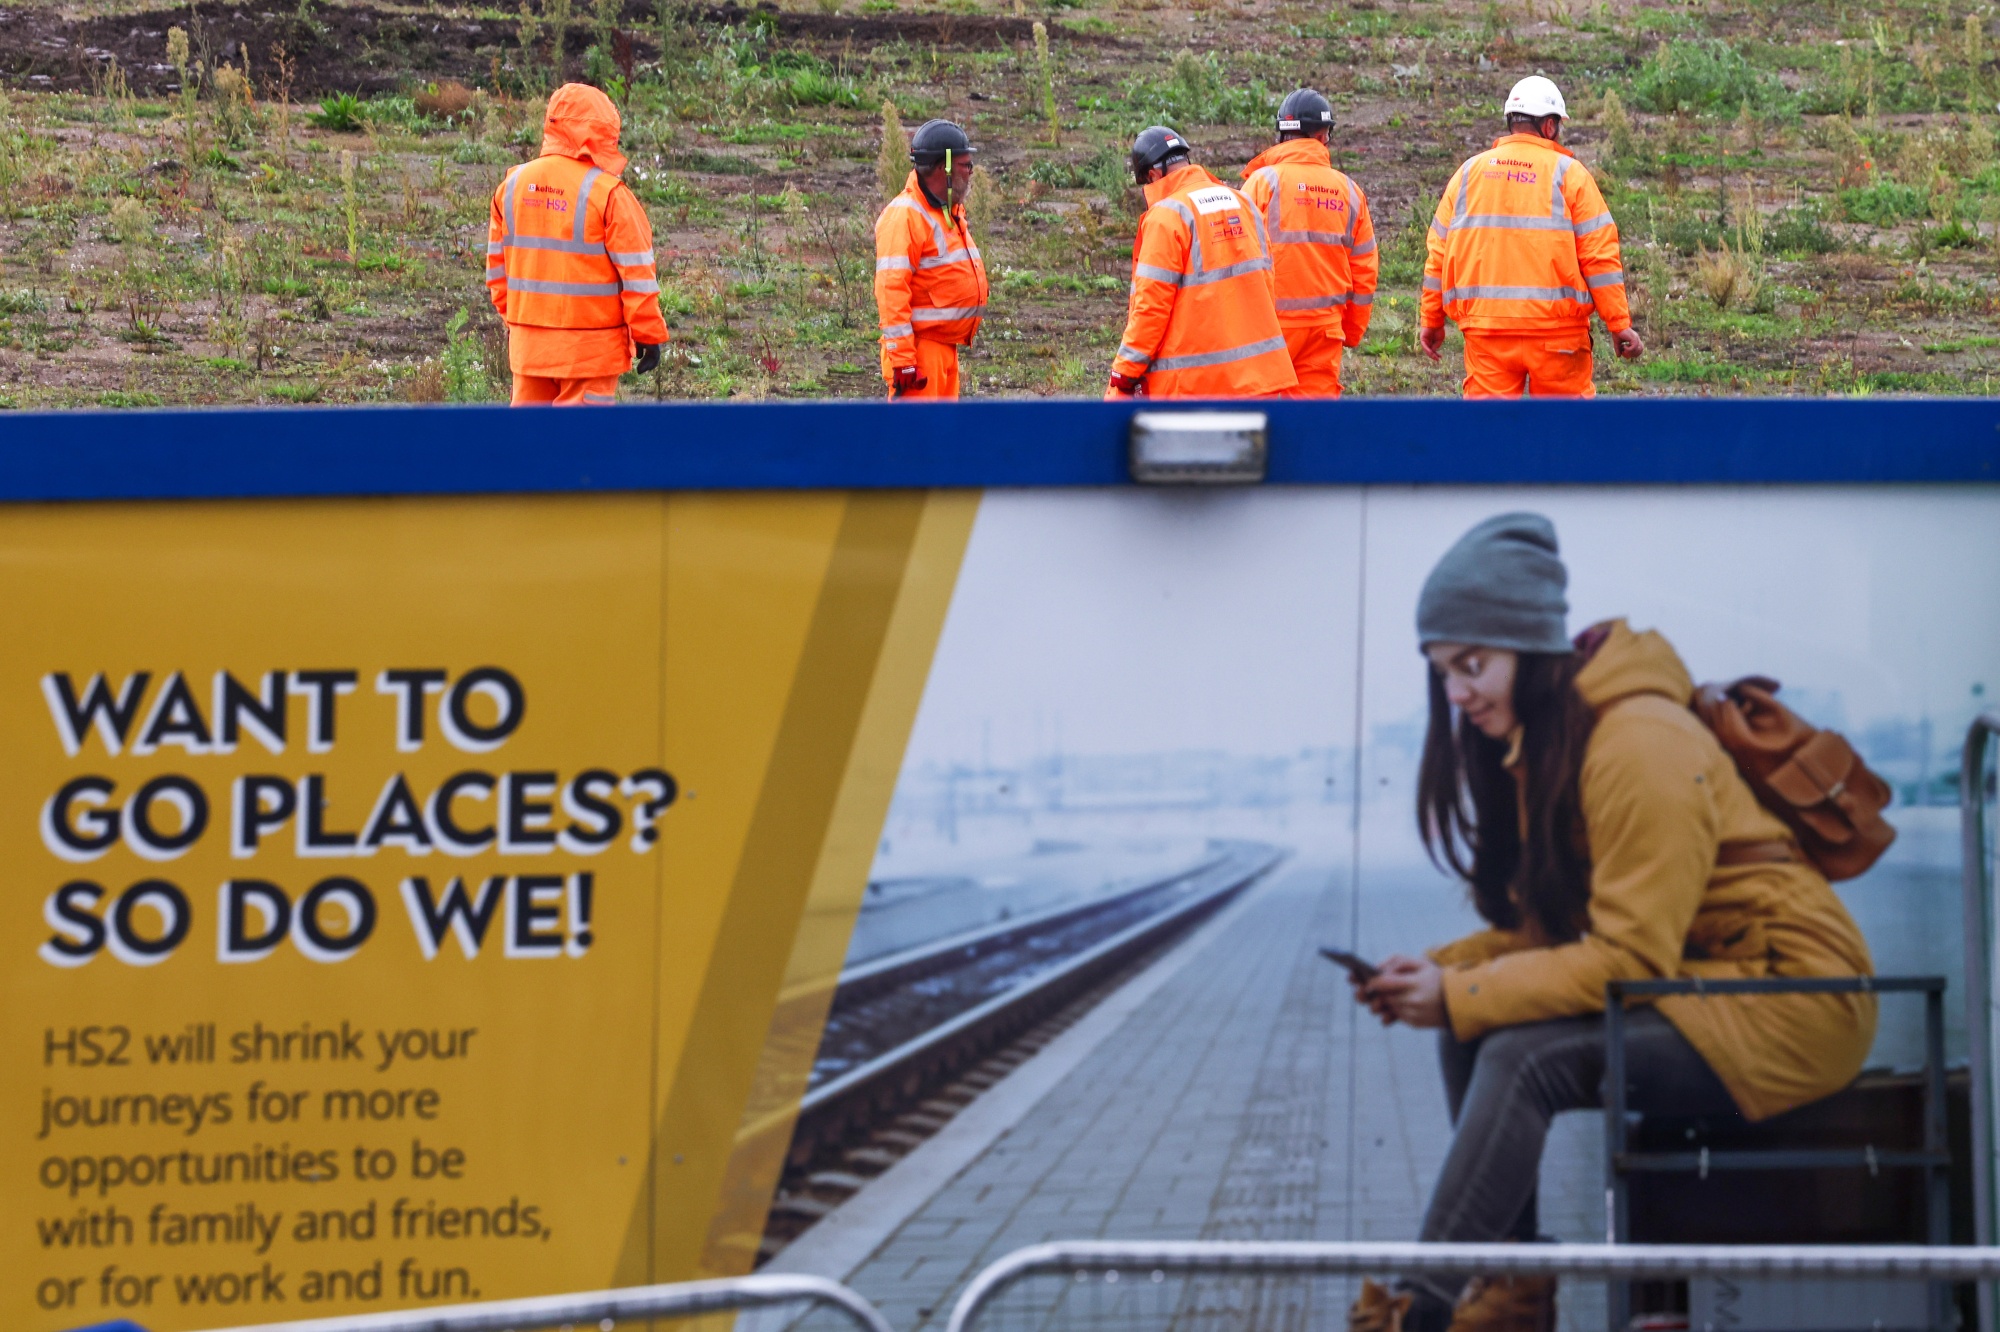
x,y
1627,663
582,123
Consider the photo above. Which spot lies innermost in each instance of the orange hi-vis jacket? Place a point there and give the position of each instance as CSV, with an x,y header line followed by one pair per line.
x,y
569,251
1523,243
1322,239
1202,322
929,279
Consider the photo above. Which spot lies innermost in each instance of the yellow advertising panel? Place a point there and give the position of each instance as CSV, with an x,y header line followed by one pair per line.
x,y
402,891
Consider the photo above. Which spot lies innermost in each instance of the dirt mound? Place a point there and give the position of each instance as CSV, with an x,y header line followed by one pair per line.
x,y
364,49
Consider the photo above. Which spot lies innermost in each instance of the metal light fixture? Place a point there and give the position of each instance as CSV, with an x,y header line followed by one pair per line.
x,y
1198,448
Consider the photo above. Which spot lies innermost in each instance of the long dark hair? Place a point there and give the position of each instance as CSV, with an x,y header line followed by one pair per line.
x,y
1471,816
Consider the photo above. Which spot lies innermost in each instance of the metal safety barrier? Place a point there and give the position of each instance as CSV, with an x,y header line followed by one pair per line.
x,y
1108,1264
606,1309
1976,865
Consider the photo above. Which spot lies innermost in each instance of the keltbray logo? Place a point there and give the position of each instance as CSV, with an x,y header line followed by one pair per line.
x,y
483,811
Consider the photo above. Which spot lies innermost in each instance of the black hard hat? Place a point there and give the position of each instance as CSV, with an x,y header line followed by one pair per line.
x,y
935,138
1304,112
1155,145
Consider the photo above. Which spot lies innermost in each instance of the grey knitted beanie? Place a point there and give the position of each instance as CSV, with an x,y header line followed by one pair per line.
x,y
1501,585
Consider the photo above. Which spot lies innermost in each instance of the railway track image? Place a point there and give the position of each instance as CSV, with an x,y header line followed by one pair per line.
x,y
913,1037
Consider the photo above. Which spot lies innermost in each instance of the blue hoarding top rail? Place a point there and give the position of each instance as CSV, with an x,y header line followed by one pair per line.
x,y
723,446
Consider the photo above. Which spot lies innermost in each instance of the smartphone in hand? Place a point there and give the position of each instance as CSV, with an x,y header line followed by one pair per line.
x,y
1359,969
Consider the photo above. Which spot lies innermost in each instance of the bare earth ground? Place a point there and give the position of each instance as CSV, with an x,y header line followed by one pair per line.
x,y
288,202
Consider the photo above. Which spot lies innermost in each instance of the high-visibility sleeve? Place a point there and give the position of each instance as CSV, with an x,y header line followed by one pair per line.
x,y
1597,249
1430,303
898,249
496,252
1160,259
1364,267
628,242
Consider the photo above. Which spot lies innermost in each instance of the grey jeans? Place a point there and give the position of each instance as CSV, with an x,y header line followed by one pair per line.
x,y
1505,1087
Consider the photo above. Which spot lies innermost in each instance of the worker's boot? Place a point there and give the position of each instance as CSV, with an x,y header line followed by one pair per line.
x,y
1378,1310
1506,1304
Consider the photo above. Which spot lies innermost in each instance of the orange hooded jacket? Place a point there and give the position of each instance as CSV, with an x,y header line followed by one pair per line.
x,y
1322,239
930,281
1202,322
1522,243
569,251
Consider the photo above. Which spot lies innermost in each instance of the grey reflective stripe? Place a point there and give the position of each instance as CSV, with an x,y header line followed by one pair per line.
x,y
1516,294
644,286
630,258
892,263
1615,278
1556,209
1438,230
1200,359
564,288
1588,225
1307,239
938,241
1362,298
494,249
600,397
1432,284
1510,222
898,331
1464,186
1287,303
510,187
1157,274
1194,232
948,257
1262,264
1366,247
1127,352
1353,213
583,204
496,272
941,313
560,246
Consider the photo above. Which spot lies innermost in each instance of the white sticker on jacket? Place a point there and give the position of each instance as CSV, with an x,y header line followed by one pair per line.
x,y
1215,198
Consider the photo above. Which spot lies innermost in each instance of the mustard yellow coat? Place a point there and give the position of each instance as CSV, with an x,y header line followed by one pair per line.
x,y
1659,797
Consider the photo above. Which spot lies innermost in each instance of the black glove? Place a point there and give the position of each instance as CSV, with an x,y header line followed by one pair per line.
x,y
909,381
648,358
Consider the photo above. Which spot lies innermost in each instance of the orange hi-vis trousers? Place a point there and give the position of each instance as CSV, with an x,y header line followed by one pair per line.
x,y
937,362
1544,365
547,391
1316,350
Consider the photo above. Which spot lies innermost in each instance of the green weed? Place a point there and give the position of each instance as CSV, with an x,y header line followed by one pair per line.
x,y
1884,204
342,113
1709,77
1199,91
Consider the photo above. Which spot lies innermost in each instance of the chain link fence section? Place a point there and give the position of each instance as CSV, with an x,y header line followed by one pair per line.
x,y
762,1303
1219,1286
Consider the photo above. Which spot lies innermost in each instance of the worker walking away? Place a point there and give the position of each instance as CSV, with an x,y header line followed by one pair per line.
x,y
569,260
1203,322
930,283
1522,249
1322,243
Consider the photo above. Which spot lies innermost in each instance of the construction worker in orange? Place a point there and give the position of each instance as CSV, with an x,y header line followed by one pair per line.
x,y
1322,243
1203,322
1522,250
569,261
930,283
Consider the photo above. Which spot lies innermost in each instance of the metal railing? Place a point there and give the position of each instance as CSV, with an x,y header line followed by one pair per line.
x,y
1976,867
1080,1263
606,1308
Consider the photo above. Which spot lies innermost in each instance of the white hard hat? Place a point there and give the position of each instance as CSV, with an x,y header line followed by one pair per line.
x,y
1536,96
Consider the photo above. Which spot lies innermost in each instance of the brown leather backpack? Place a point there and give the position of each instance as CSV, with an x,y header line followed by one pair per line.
x,y
1811,779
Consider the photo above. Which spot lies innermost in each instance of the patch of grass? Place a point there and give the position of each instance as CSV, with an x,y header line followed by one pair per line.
x,y
342,113
1884,204
293,392
1199,91
1704,77
1977,342
1800,230
125,398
